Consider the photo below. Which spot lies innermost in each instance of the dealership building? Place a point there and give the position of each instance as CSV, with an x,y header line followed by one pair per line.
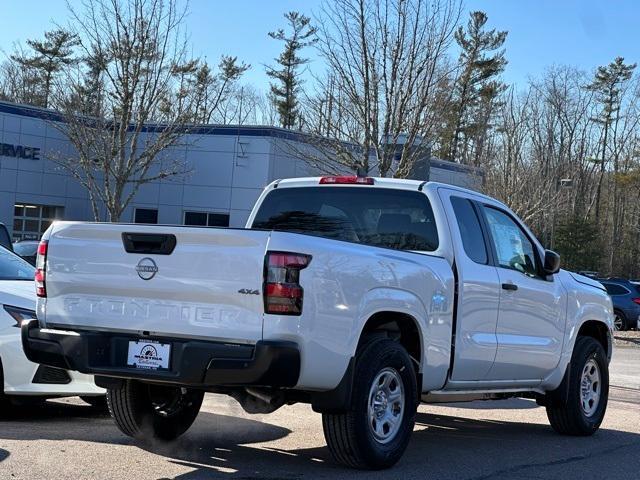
x,y
228,167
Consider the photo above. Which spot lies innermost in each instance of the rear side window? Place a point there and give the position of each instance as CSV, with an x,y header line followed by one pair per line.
x,y
398,219
470,231
613,289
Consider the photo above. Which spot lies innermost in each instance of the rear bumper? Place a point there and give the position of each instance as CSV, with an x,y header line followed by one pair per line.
x,y
193,363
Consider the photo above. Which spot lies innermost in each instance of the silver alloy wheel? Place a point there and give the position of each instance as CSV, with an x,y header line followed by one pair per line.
x,y
618,324
590,387
386,405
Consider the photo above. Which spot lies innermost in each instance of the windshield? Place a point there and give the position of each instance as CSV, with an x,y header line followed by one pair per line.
x,y
12,267
381,217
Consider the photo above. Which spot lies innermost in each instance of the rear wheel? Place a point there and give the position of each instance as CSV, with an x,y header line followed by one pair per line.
x,y
150,411
375,431
588,391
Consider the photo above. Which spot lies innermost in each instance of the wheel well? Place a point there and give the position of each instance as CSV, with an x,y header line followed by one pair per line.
x,y
397,326
598,331
400,327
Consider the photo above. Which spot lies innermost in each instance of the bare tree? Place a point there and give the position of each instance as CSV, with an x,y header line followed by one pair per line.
x,y
130,135
385,62
513,174
545,161
19,82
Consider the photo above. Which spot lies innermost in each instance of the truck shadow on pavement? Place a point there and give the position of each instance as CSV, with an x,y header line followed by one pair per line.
x,y
63,421
25,411
442,447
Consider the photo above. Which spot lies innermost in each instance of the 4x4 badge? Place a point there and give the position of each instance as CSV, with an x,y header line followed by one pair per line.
x,y
247,291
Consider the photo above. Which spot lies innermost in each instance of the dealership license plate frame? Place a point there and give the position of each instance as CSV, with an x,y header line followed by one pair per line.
x,y
149,354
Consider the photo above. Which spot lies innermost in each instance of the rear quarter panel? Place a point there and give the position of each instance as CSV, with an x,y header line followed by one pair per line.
x,y
345,284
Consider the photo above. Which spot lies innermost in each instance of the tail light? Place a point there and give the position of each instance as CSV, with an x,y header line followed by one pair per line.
x,y
40,276
282,291
636,300
346,180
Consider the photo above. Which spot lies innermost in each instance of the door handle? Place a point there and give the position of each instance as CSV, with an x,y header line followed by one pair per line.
x,y
509,286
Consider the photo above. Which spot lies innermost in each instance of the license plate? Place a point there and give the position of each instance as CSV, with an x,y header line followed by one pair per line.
x,y
149,354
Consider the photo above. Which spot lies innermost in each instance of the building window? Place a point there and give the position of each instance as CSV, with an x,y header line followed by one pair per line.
x,y
31,221
145,215
204,219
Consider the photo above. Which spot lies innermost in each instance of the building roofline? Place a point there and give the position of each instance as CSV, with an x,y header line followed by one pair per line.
x,y
217,129
205,129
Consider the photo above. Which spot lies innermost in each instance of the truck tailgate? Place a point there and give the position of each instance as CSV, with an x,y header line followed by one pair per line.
x,y
209,286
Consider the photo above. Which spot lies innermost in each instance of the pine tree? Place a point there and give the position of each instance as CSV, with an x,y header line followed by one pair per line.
x,y
578,243
476,87
212,89
607,85
49,57
287,83
91,88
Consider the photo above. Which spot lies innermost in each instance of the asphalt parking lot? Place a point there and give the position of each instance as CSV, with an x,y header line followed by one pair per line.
x,y
67,439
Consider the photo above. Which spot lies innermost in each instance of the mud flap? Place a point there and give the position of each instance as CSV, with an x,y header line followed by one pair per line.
x,y
337,400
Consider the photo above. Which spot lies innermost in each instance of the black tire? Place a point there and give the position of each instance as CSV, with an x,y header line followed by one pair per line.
x,y
622,324
4,401
97,401
569,417
147,412
349,435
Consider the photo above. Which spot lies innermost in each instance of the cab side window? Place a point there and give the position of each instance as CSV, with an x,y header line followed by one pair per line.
x,y
513,248
470,230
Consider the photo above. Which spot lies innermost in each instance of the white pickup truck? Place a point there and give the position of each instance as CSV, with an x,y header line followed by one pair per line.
x,y
360,296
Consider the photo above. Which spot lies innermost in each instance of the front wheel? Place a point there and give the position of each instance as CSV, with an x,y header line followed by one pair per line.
x,y
588,384
375,431
151,411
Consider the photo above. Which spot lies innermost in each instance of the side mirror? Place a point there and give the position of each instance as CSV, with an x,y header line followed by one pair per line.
x,y
551,262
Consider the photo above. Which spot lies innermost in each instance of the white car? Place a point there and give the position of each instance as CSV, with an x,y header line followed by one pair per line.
x,y
19,376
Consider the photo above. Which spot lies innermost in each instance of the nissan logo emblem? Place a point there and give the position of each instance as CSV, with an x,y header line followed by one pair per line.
x,y
146,268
